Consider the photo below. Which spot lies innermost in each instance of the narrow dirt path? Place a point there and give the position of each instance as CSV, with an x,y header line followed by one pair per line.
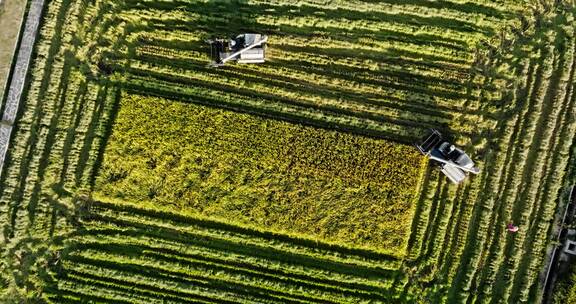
x,y
11,18
19,76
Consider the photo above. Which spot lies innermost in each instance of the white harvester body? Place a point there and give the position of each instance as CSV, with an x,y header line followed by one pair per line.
x,y
454,162
244,48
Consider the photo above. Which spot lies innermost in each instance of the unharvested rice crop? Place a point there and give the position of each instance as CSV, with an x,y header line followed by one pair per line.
x,y
243,169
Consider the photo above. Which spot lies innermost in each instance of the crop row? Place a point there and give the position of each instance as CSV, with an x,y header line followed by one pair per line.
x,y
35,131
300,51
500,266
286,93
50,149
213,229
152,86
526,130
114,248
304,75
526,207
183,54
554,169
449,10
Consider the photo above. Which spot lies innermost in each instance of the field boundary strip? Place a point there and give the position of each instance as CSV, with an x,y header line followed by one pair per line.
x,y
12,17
19,76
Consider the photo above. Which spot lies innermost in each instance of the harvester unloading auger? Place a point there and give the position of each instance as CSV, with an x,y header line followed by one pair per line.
x,y
245,48
454,163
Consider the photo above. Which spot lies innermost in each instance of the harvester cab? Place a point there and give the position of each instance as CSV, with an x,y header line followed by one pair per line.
x,y
454,162
245,48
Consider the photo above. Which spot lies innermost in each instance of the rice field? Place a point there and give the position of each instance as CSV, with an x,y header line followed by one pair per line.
x,y
269,174
498,77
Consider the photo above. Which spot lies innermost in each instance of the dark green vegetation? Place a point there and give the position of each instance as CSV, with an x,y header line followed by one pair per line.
x,y
275,175
565,287
499,76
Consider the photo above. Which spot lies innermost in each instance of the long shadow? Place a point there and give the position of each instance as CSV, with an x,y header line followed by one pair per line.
x,y
462,278
141,87
296,85
223,9
276,108
355,35
69,139
251,292
544,189
348,72
90,134
509,167
340,72
269,236
195,261
225,17
459,206
107,126
273,80
530,163
430,248
424,107
466,7
328,109
136,229
368,98
426,179
392,52
50,135
392,56
455,291
225,21
400,18
62,297
336,70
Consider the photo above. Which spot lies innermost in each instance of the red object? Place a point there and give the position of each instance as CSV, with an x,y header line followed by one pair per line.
x,y
512,228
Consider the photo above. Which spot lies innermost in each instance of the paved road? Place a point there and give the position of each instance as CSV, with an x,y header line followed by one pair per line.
x,y
16,87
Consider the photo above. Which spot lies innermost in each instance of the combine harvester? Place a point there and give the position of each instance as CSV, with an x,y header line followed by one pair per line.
x,y
245,48
453,162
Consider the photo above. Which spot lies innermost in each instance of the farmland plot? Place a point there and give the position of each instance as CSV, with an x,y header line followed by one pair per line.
x,y
498,76
276,175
